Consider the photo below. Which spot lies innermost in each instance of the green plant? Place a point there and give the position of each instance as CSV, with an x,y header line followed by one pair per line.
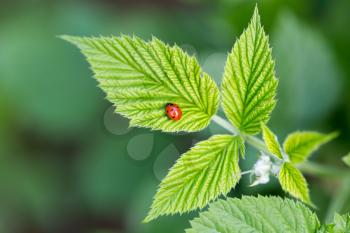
x,y
264,214
140,78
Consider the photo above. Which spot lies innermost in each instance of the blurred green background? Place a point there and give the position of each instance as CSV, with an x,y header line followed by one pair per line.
x,y
68,164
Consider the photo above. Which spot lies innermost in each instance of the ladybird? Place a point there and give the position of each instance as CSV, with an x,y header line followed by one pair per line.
x,y
173,111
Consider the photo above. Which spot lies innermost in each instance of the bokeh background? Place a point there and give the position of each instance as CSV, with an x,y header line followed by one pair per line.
x,y
68,164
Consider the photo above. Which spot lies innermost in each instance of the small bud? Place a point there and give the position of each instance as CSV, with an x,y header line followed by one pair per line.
x,y
262,169
262,166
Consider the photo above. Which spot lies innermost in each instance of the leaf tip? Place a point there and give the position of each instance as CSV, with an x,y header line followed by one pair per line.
x,y
75,40
312,205
333,135
256,9
67,38
151,215
256,15
147,219
346,159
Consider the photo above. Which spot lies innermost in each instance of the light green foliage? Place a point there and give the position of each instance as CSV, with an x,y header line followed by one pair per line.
x,y
329,228
199,176
249,83
300,145
140,78
255,215
346,159
271,142
341,224
297,148
293,182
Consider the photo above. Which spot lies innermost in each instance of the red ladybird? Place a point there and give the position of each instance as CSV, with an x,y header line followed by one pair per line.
x,y
173,111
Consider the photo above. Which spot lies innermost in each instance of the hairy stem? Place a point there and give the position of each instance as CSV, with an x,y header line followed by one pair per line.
x,y
225,124
251,140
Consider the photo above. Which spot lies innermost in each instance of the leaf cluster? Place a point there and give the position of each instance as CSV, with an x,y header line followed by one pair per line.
x,y
297,148
141,77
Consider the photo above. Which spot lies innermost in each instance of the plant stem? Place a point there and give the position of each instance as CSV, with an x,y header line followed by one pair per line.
x,y
308,167
225,124
251,140
257,144
313,168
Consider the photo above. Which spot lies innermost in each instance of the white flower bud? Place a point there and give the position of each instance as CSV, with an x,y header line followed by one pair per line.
x,y
261,180
263,166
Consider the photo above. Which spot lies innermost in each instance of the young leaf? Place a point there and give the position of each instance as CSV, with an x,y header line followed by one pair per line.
x,y
140,78
346,159
300,145
249,83
271,142
293,182
200,175
255,214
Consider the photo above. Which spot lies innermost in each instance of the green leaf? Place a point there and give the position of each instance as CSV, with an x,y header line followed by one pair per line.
x,y
341,223
255,215
200,175
327,228
249,83
300,145
346,159
271,142
140,78
293,182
